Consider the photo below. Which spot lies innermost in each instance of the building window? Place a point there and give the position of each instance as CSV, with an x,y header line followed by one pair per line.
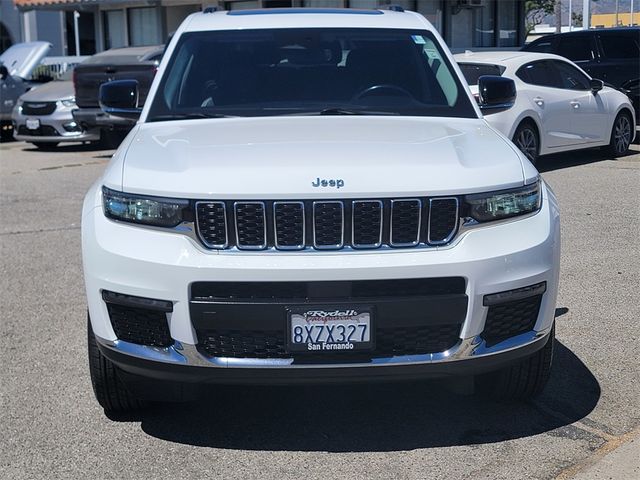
x,y
484,25
242,5
508,22
114,29
144,26
432,11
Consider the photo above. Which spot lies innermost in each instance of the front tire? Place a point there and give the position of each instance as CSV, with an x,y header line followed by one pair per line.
x,y
108,388
527,140
524,379
620,135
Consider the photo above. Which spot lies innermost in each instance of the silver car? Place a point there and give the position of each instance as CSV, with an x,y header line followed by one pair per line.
x,y
43,116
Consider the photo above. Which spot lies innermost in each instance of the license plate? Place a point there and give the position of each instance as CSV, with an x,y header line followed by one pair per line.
x,y
329,330
33,123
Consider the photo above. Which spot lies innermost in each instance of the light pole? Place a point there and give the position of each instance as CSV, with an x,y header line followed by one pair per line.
x,y
586,14
76,16
570,16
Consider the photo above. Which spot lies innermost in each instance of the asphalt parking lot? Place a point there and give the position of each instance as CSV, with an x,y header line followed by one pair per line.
x,y
53,428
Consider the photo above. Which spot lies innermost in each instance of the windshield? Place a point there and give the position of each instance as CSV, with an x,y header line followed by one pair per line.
x,y
473,71
307,72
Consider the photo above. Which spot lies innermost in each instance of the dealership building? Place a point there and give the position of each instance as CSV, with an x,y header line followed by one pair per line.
x,y
104,24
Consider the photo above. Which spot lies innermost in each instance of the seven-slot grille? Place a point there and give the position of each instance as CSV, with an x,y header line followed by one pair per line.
x,y
325,225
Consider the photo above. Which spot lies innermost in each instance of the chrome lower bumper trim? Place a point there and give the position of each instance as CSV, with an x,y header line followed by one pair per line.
x,y
188,355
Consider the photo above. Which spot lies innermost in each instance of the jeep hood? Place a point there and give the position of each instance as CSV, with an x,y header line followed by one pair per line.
x,y
22,58
282,157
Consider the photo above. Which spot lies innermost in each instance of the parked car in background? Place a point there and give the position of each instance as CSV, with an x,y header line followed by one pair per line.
x,y
16,65
558,106
611,54
133,63
43,115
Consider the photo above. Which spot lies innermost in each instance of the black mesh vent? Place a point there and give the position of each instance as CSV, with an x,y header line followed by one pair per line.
x,y
289,224
303,291
43,131
38,108
405,222
212,223
328,224
510,319
250,225
271,344
140,325
443,219
243,344
367,223
416,340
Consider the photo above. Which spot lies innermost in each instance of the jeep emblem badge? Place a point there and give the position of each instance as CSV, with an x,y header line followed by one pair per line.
x,y
328,182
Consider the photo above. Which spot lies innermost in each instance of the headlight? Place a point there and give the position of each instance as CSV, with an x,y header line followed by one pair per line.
x,y
155,211
486,207
68,103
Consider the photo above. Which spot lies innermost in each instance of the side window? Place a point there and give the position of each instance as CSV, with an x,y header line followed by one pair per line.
x,y
539,73
544,46
571,77
620,46
576,48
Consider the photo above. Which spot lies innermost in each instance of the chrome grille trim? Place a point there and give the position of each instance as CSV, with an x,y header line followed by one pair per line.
x,y
429,218
419,229
275,227
454,230
353,227
328,247
264,224
226,223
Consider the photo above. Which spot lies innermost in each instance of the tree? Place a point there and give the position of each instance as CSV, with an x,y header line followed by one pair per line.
x,y
536,10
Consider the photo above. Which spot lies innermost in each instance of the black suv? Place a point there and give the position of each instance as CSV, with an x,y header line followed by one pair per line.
x,y
611,55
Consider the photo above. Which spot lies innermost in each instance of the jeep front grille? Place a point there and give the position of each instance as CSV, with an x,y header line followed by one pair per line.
x,y
327,224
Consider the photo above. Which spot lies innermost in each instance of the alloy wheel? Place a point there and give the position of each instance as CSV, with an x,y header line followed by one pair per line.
x,y
527,141
622,134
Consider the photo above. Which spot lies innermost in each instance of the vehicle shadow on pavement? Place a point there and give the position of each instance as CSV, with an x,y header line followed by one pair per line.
x,y
370,417
70,148
558,161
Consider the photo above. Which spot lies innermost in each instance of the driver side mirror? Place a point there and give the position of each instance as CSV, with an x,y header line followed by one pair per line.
x,y
596,85
4,73
496,93
120,98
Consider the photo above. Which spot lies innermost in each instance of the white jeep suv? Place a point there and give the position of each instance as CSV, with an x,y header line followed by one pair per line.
x,y
314,196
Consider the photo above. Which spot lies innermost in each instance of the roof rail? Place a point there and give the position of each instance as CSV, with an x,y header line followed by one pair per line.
x,y
395,8
210,10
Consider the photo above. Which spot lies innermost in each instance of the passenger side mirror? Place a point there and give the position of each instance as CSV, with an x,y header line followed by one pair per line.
x,y
4,73
120,98
596,85
496,93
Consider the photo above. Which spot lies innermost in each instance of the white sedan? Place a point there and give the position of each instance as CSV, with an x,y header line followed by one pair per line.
x,y
558,106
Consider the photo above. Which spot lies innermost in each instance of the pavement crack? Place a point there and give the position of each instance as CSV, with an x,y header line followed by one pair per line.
x,y
40,230
611,444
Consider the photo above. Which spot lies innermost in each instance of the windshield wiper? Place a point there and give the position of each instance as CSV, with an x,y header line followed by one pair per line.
x,y
188,116
337,111
346,111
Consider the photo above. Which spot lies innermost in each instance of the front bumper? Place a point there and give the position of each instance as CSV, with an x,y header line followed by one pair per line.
x,y
54,128
183,363
164,265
